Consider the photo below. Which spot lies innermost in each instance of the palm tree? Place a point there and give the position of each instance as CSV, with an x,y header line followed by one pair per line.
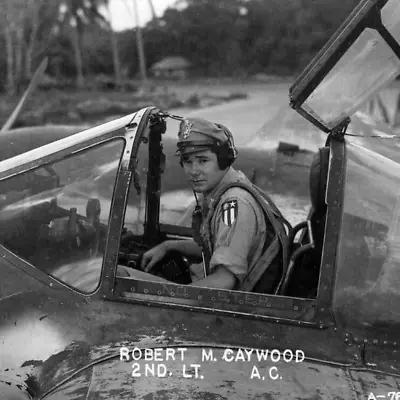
x,y
41,19
11,22
20,22
114,44
73,13
153,11
139,42
79,13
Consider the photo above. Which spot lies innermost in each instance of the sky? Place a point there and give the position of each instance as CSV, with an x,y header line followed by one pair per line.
x,y
123,16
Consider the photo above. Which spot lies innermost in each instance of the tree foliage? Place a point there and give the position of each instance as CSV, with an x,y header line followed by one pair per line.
x,y
219,37
231,37
26,28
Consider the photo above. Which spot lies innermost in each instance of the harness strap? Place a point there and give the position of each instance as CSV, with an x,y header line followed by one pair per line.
x,y
272,213
198,238
256,273
275,209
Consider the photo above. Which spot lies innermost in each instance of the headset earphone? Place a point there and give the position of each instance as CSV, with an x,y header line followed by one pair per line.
x,y
226,152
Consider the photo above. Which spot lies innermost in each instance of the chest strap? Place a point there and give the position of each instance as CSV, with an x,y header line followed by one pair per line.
x,y
271,212
197,227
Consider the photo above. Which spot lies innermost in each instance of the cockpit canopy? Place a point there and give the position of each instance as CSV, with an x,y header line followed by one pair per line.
x,y
361,59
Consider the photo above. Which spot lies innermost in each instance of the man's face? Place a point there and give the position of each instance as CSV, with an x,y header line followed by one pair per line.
x,y
202,170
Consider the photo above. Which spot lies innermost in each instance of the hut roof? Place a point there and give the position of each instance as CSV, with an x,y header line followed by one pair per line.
x,y
171,63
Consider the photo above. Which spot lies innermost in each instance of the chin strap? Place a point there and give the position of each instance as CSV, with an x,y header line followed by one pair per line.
x,y
197,200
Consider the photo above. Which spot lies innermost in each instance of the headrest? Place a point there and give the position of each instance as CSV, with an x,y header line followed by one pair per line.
x,y
318,178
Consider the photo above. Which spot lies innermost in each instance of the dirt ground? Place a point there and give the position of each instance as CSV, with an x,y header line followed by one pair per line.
x,y
55,106
69,106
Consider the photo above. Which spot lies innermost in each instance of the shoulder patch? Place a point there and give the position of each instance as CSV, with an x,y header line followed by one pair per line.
x,y
229,212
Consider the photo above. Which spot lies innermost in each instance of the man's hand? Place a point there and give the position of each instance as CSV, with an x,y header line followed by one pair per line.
x,y
153,256
188,248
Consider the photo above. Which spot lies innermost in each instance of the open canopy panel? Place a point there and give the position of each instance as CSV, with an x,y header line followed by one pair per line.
x,y
360,59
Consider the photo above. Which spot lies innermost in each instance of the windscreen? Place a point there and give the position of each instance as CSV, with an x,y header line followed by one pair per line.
x,y
367,287
366,67
56,216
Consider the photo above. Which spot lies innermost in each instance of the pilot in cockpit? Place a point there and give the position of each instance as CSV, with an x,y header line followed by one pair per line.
x,y
231,235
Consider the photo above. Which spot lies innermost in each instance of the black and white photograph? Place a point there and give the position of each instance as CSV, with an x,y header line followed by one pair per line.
x,y
200,199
